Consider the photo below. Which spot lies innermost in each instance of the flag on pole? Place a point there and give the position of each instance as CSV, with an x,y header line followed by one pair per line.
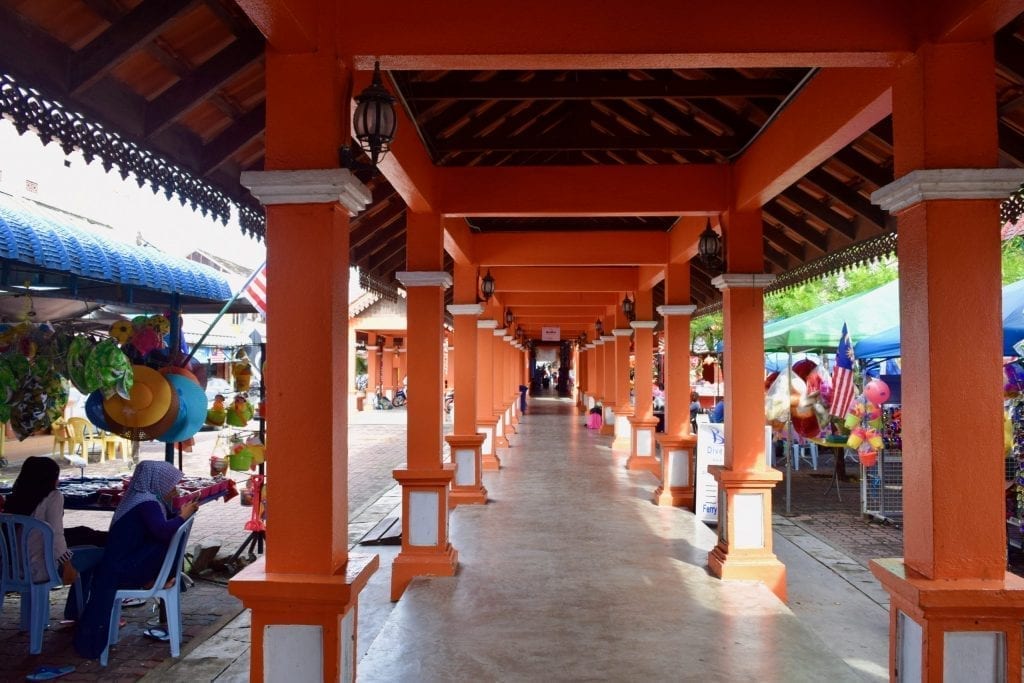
x,y
256,290
842,376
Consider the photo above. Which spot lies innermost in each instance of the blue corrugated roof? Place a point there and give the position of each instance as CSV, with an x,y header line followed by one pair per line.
x,y
35,238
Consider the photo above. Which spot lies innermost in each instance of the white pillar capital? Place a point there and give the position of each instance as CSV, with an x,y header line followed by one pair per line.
x,y
607,337
646,324
743,281
622,332
676,309
424,278
311,186
947,183
486,324
466,309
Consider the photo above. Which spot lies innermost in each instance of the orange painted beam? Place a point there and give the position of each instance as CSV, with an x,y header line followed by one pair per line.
x,y
407,167
605,248
289,26
836,107
683,237
514,299
492,34
968,22
458,241
647,277
541,279
529,312
619,190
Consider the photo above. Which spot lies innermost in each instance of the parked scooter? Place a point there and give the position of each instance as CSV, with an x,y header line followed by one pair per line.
x,y
449,401
381,402
399,400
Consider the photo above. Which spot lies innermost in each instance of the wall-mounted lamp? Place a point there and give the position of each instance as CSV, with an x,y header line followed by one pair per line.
x,y
628,308
374,122
487,286
599,326
709,247
509,318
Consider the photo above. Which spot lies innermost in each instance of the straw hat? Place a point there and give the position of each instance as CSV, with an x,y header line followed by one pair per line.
x,y
148,412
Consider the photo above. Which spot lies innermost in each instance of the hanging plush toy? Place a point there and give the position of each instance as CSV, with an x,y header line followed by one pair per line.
x,y
241,370
240,412
217,414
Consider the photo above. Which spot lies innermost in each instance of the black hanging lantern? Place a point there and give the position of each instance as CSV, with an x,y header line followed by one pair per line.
x,y
374,120
599,326
509,318
487,286
520,333
709,246
627,308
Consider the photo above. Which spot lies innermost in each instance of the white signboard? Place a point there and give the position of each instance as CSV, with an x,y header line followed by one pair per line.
x,y
711,451
550,334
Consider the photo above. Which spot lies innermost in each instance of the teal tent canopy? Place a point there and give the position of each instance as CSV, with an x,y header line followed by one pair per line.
x,y
864,314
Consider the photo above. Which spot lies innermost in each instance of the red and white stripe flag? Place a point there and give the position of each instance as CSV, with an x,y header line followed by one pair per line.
x,y
256,290
843,388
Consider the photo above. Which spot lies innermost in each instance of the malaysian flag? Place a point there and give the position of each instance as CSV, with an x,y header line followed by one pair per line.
x,y
256,290
842,376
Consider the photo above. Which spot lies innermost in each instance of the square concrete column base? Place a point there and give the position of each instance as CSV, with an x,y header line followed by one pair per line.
x,y
426,549
677,466
623,433
467,487
489,461
641,453
303,625
952,629
500,435
607,420
744,549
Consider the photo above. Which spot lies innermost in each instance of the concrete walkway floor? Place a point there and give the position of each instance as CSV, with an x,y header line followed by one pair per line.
x,y
571,573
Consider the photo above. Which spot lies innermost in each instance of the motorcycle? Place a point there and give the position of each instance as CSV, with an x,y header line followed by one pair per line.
x,y
399,400
381,402
449,402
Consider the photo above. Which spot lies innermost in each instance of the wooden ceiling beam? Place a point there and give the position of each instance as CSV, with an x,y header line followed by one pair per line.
x,y
848,197
202,82
587,140
133,30
1011,144
614,248
368,226
864,167
526,300
600,90
798,225
240,133
777,237
562,279
777,258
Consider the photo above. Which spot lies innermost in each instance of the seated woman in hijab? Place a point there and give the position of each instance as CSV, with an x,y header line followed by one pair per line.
x,y
77,550
142,528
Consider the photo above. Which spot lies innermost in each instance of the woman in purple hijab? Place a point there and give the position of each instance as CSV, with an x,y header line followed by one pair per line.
x,y
140,531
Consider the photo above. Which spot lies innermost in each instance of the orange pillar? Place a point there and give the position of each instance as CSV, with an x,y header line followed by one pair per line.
x,y
388,365
426,549
955,611
507,368
745,482
498,389
484,387
623,407
465,442
303,593
581,377
643,423
401,362
372,368
678,445
608,390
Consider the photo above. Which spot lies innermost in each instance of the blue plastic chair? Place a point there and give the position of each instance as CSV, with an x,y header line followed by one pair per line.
x,y
16,574
171,596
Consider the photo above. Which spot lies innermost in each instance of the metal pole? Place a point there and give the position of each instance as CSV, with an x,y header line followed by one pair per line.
x,y
173,353
789,445
221,315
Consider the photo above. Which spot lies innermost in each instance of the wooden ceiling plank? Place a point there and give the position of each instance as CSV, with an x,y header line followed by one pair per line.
x,y
368,226
795,249
589,141
864,167
600,90
113,46
777,258
849,197
229,141
108,10
1011,143
203,81
797,225
822,212
1010,54
45,71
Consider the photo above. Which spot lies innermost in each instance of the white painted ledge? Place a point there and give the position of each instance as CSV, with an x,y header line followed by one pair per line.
x,y
424,278
743,281
947,183
677,309
316,186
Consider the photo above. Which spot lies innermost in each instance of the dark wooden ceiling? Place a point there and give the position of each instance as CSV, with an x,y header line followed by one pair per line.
x,y
185,80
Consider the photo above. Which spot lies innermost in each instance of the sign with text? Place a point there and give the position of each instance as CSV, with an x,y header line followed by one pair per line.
x,y
549,333
711,451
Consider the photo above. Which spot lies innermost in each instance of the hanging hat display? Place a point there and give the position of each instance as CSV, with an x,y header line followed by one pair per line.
x,y
78,353
94,411
109,369
148,412
191,408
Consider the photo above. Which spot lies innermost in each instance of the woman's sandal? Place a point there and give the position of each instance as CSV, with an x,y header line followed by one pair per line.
x,y
48,673
157,634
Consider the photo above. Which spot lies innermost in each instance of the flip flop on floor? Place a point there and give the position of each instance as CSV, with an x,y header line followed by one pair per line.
x,y
48,673
157,634
133,602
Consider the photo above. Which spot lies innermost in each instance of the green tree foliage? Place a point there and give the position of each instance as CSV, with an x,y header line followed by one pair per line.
x,y
814,293
1013,259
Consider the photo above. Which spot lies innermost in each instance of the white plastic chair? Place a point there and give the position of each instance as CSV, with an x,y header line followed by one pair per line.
x,y
805,451
171,596
16,574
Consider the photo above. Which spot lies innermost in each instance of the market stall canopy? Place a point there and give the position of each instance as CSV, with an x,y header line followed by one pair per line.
x,y
886,344
42,249
865,314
